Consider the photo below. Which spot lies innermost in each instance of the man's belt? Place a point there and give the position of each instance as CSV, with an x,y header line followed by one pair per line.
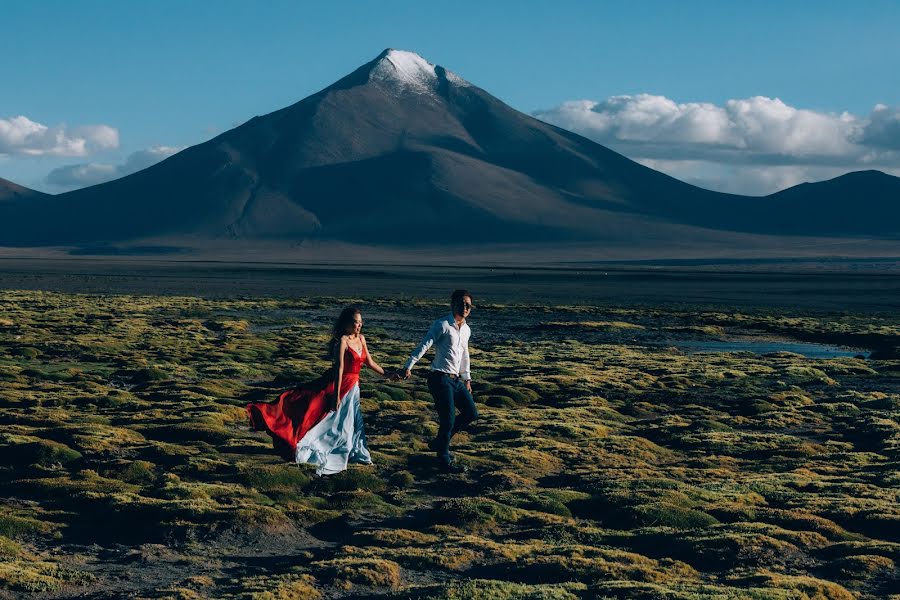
x,y
450,375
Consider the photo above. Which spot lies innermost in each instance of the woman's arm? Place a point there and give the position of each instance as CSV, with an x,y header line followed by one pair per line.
x,y
370,362
339,374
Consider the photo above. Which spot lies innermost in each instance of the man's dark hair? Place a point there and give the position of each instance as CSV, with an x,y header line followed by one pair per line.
x,y
459,295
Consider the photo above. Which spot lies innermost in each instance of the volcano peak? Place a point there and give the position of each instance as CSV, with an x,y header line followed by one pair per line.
x,y
409,70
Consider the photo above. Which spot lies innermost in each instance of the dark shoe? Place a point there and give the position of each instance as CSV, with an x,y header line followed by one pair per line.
x,y
452,467
435,447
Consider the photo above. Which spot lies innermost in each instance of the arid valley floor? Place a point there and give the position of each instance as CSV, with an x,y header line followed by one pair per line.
x,y
620,453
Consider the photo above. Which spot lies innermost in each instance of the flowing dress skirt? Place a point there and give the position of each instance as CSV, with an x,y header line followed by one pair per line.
x,y
295,412
338,439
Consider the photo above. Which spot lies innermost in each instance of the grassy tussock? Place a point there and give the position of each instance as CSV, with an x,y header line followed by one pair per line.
x,y
607,462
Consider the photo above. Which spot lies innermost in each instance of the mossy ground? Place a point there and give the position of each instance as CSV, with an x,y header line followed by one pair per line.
x,y
607,463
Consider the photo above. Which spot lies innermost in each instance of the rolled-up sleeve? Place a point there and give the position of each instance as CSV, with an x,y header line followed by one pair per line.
x,y
426,343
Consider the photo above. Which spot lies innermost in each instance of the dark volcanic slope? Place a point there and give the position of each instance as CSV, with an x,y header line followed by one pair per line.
x,y
399,151
388,154
864,202
13,192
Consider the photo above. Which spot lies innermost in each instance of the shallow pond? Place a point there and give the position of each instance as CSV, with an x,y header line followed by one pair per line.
x,y
806,349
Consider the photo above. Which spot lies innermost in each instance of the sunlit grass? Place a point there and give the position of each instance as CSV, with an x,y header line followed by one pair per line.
x,y
606,463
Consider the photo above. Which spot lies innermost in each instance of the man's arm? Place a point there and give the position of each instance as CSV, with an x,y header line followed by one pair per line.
x,y
465,372
465,365
433,333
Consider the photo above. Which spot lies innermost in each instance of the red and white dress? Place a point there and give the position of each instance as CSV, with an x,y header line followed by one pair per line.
x,y
305,428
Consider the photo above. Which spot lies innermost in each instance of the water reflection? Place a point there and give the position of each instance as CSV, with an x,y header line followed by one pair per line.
x,y
806,349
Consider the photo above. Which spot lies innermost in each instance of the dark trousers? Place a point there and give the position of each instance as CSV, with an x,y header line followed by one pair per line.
x,y
450,394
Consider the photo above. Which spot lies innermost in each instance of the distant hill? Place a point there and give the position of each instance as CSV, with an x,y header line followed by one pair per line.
x,y
405,152
12,191
859,203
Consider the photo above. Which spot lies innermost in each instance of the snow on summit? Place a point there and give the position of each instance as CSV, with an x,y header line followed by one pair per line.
x,y
410,71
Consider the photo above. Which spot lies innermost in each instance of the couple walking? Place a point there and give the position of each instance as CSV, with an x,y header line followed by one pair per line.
x,y
321,422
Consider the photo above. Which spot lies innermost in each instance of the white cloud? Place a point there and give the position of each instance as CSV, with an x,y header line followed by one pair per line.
x,y
750,180
22,136
754,145
883,128
142,159
83,175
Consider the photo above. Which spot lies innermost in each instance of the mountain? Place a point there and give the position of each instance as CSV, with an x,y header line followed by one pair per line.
x,y
10,191
387,154
859,203
862,203
401,151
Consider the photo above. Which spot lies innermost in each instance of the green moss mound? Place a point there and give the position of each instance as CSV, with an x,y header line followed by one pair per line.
x,y
489,589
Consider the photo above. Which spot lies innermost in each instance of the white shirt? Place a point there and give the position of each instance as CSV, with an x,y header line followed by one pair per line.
x,y
451,347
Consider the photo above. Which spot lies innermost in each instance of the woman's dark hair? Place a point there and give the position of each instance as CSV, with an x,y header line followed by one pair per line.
x,y
340,327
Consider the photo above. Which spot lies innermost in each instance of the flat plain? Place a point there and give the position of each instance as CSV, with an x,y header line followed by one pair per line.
x,y
611,460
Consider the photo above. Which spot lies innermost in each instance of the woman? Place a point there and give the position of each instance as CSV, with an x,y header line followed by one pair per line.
x,y
321,422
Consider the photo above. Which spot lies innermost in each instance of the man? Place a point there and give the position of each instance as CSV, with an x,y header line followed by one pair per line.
x,y
450,381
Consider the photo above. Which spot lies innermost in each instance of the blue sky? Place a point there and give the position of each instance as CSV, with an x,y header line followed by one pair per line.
x,y
163,75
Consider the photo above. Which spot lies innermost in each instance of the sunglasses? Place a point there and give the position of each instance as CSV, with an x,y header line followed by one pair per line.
x,y
467,306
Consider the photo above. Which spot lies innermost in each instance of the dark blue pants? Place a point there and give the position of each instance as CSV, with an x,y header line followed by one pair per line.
x,y
450,394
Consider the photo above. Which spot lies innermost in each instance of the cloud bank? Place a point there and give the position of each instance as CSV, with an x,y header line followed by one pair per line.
x,y
20,136
755,145
85,174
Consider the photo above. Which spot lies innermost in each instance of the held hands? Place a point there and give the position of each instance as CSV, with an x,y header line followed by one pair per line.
x,y
391,375
398,374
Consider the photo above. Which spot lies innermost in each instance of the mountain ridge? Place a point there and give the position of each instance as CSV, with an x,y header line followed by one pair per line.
x,y
13,191
394,151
